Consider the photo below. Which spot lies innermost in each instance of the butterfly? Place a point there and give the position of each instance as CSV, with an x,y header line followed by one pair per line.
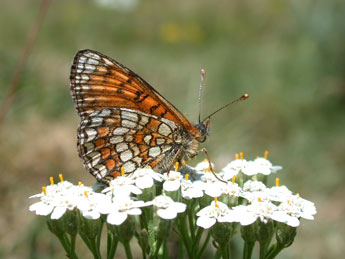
x,y
125,122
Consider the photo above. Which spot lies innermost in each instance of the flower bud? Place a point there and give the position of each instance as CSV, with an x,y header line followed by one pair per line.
x,y
89,227
126,230
71,222
264,231
285,234
221,233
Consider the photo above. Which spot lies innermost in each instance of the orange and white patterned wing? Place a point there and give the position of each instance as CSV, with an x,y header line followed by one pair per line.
x,y
112,138
124,121
99,82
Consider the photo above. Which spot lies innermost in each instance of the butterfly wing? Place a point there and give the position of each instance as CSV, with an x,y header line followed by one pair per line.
x,y
112,138
124,121
99,82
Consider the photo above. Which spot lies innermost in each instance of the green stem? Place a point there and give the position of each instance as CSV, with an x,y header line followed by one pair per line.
x,y
98,240
263,249
65,243
165,250
274,251
111,245
248,249
196,241
224,251
183,234
94,250
73,240
191,224
86,240
128,250
202,250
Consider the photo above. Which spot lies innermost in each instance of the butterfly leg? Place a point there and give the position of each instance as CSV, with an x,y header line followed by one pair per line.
x,y
177,155
210,166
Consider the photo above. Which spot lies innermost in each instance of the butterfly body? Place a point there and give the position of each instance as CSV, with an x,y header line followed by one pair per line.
x,y
125,123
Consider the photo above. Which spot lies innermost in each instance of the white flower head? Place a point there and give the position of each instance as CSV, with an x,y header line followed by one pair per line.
x,y
217,211
92,204
209,184
144,177
166,207
45,206
250,168
122,186
172,181
254,186
291,210
233,168
265,167
279,193
190,190
203,166
231,189
121,207
256,210
57,199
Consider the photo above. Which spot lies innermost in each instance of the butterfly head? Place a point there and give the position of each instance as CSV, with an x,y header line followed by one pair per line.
x,y
204,128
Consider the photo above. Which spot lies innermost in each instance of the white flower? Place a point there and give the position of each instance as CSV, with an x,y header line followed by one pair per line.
x,y
45,206
294,208
66,202
279,193
265,167
254,186
121,207
231,189
122,186
233,168
166,207
217,211
209,184
203,166
250,213
172,181
250,168
92,204
256,196
57,199
189,190
144,177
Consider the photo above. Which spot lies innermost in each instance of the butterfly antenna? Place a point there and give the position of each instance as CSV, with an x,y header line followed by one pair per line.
x,y
203,74
242,98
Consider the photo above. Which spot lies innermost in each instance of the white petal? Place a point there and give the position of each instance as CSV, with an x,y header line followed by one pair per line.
x,y
116,218
167,213
91,214
203,211
171,186
44,209
205,222
293,222
134,211
179,207
134,189
34,206
37,195
247,219
307,216
58,212
144,182
213,191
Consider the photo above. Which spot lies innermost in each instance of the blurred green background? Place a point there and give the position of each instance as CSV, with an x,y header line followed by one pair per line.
x,y
288,55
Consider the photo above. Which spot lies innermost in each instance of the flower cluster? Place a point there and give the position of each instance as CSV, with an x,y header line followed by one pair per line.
x,y
189,200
